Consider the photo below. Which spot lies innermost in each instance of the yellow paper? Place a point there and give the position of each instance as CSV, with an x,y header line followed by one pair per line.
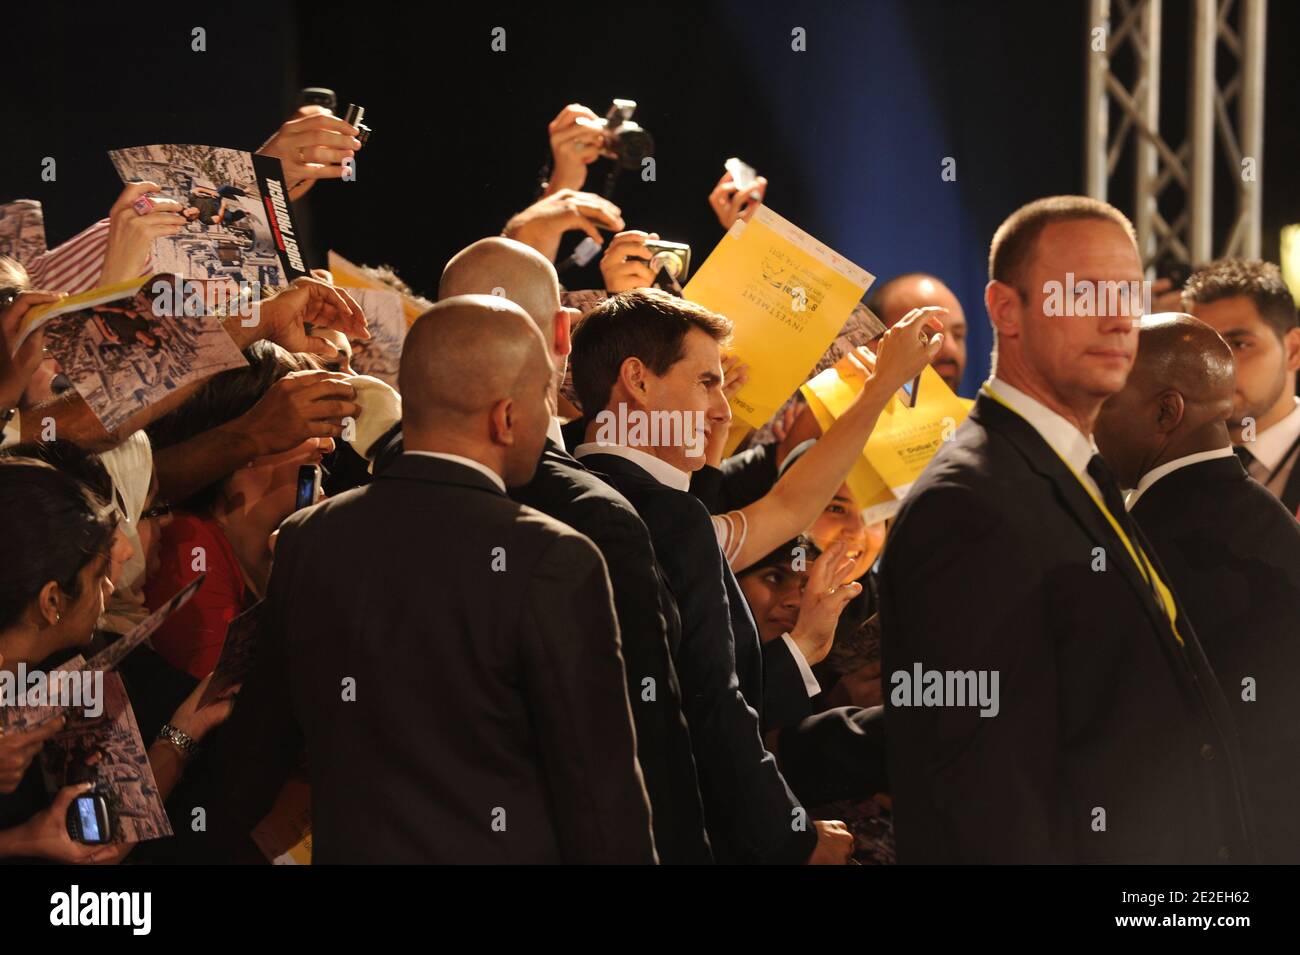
x,y
347,275
787,295
903,441
872,494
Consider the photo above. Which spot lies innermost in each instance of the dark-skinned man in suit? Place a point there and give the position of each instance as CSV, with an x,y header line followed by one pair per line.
x,y
1231,549
1107,737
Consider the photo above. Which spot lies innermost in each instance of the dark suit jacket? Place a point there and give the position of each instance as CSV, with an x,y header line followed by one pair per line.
x,y
476,690
649,624
1233,555
750,811
990,567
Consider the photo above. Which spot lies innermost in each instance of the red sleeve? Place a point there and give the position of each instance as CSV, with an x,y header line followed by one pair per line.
x,y
191,639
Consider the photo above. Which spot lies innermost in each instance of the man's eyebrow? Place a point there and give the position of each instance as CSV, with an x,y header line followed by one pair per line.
x,y
1236,331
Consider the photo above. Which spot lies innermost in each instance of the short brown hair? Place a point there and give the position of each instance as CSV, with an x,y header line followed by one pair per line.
x,y
1013,243
644,323
1261,282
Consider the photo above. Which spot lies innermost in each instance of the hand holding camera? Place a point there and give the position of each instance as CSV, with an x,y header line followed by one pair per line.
x,y
543,223
312,144
626,263
579,137
577,141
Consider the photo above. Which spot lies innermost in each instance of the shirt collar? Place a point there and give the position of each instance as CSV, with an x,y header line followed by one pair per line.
x,y
554,432
660,470
469,463
1169,467
1068,441
1272,444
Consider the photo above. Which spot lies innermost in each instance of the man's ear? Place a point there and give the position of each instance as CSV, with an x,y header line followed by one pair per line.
x,y
1005,307
563,335
1169,410
501,422
633,376
49,604
1291,345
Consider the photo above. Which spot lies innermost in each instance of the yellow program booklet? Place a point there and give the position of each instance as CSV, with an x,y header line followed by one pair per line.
x,y
787,295
903,441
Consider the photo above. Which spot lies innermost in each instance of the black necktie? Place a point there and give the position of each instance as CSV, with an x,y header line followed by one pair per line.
x,y
1100,472
1243,455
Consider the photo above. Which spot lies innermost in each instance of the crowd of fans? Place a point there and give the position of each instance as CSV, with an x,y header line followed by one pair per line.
x,y
496,638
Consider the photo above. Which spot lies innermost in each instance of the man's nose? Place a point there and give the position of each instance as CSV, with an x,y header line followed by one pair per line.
x,y
720,413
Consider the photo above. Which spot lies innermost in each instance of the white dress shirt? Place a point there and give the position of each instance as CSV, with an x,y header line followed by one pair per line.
x,y
809,681
1272,443
555,434
469,463
1072,445
660,470
1269,451
1169,467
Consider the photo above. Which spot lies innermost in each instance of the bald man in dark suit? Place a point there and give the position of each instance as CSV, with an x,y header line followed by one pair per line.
x,y
455,673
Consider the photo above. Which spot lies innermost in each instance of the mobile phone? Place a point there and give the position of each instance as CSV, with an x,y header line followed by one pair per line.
x,y
742,174
88,820
308,486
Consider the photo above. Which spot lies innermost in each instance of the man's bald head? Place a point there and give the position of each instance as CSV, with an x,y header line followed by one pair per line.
x,y
475,377
1176,401
522,274
895,298
1179,351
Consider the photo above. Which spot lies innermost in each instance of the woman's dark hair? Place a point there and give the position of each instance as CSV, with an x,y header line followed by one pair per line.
x,y
73,460
53,526
223,398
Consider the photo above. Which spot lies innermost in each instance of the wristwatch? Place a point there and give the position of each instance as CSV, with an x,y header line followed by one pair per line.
x,y
182,741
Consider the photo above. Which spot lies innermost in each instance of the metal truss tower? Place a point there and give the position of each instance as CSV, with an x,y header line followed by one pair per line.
x,y
1188,168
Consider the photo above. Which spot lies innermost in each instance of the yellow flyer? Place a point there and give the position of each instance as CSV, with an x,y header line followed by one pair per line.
x,y
787,295
903,441
828,395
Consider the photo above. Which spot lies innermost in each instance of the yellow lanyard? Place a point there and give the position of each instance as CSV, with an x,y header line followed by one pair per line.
x,y
1134,549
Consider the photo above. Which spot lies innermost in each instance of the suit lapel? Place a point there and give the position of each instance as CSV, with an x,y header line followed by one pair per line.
x,y
1045,462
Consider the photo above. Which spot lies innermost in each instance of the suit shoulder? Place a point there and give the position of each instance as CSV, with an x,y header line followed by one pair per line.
x,y
550,537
